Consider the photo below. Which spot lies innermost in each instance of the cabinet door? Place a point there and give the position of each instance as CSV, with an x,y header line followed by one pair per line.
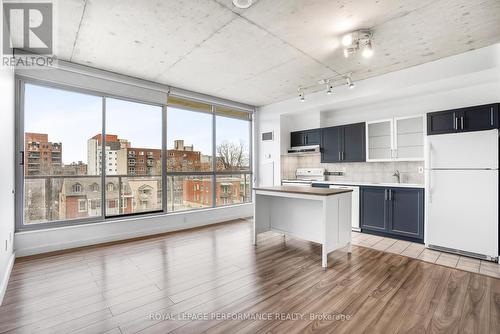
x,y
313,137
441,122
406,212
373,208
380,143
409,138
354,143
479,118
331,144
297,138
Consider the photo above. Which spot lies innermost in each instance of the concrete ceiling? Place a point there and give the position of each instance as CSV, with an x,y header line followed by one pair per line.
x,y
263,54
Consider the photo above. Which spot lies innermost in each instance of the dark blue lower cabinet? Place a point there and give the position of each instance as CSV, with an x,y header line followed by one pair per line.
x,y
394,212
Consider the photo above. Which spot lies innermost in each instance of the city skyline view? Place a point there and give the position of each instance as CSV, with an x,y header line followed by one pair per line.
x,y
132,121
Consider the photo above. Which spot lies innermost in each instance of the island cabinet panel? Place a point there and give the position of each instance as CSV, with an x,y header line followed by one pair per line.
x,y
305,137
477,118
393,212
344,143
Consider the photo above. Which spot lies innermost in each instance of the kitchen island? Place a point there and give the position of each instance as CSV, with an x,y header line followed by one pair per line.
x,y
319,215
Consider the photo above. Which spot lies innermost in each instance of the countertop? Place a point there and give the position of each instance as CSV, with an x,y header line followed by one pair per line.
x,y
305,190
372,184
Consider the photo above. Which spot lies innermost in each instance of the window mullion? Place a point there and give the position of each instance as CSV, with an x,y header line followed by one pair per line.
x,y
103,157
214,159
164,180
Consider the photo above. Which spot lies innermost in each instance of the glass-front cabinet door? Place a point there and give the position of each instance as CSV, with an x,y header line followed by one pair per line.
x,y
409,138
379,140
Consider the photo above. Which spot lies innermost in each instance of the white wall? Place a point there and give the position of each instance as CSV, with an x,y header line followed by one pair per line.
x,y
467,79
6,177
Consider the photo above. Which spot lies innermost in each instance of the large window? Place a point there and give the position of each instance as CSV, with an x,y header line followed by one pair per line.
x,y
133,163
87,157
58,185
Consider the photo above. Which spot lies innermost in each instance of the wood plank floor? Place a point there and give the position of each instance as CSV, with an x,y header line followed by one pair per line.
x,y
192,281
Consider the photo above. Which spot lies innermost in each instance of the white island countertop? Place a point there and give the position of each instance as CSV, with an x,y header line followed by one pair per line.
x,y
373,184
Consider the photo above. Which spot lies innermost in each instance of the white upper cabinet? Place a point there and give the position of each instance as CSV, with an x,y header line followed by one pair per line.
x,y
395,139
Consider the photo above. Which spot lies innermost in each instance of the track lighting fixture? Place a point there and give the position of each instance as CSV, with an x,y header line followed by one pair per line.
x,y
356,40
349,82
329,88
302,96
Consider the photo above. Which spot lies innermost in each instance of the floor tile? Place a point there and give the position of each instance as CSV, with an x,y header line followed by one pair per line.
x,y
429,255
449,260
468,264
398,247
413,250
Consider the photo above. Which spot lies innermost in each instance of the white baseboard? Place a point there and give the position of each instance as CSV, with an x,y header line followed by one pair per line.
x,y
6,276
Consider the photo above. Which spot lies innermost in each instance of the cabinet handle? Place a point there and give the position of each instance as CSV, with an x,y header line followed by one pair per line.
x,y
340,156
462,123
390,194
455,123
343,155
491,116
385,194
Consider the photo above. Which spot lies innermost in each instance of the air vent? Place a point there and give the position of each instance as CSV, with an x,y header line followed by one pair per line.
x,y
267,136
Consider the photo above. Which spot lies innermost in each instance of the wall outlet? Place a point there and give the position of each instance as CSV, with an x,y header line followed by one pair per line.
x,y
421,170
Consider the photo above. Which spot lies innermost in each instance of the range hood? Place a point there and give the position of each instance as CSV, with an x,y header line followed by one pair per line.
x,y
304,149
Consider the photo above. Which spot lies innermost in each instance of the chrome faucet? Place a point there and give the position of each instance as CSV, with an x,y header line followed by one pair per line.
x,y
397,174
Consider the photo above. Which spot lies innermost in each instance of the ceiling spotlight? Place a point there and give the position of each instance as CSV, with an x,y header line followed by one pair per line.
x,y
349,51
242,4
360,39
347,40
367,50
302,97
349,82
329,89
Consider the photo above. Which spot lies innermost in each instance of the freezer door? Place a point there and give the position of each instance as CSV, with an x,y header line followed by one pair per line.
x,y
462,210
463,150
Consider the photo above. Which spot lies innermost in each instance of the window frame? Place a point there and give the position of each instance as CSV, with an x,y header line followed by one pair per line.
x,y
22,80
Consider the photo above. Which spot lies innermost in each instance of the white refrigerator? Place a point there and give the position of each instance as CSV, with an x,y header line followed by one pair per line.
x,y
462,193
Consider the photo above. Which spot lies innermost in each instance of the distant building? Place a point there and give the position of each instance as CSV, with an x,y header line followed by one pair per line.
x,y
197,192
75,168
41,157
81,198
184,158
139,161
94,154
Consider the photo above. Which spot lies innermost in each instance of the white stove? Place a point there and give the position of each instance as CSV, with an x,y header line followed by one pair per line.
x,y
305,177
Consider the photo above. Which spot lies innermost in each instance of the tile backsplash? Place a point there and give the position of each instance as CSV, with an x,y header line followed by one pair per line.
x,y
355,171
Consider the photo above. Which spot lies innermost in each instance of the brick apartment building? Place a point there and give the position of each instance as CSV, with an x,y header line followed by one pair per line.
x,y
139,161
197,192
41,157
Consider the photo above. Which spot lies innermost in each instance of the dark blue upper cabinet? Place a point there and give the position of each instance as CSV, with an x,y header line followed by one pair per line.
x,y
331,144
476,118
344,143
305,137
354,142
